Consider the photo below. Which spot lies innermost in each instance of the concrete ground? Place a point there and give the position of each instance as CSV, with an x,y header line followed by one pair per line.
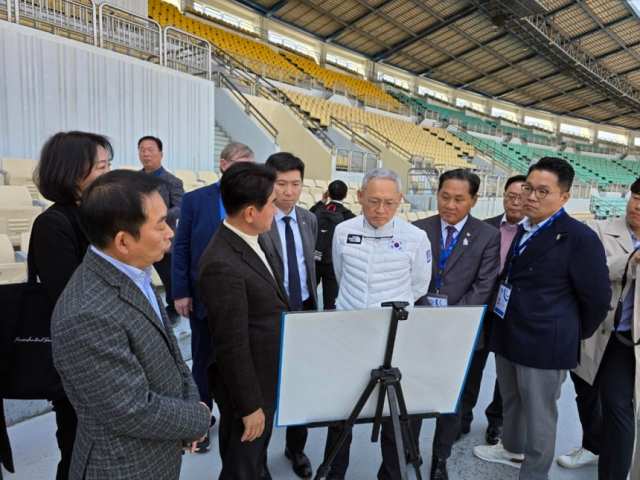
x,y
36,455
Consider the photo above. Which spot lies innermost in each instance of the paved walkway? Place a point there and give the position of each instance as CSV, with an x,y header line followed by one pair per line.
x,y
35,452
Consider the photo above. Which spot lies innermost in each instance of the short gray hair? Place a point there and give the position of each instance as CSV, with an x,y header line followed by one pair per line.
x,y
235,150
381,173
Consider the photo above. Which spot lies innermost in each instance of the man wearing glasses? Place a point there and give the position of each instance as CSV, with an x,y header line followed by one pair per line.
x,y
466,262
507,223
150,155
554,291
377,258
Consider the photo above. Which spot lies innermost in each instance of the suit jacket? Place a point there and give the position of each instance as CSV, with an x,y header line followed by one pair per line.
x,y
123,372
199,219
172,194
308,231
244,305
494,221
560,295
472,269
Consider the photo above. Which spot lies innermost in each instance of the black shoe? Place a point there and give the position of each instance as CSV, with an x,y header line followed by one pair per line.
x,y
493,435
300,463
266,474
463,431
335,477
213,421
438,469
203,447
174,318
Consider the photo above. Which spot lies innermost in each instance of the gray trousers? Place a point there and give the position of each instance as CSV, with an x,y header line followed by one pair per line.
x,y
530,398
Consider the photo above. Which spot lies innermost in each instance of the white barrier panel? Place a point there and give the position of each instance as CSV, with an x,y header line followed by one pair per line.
x,y
327,358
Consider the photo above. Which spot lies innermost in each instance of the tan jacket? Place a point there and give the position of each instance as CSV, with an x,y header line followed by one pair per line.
x,y
616,239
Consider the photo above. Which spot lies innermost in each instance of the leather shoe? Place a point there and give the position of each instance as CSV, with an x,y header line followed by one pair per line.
x,y
266,474
493,435
463,431
300,463
438,469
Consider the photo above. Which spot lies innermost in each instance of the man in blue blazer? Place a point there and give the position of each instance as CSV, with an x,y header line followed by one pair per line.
x,y
553,292
200,215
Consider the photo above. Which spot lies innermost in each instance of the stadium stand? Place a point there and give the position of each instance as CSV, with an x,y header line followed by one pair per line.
x,y
10,270
16,208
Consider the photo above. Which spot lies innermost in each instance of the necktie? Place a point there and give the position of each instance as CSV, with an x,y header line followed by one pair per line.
x,y
295,289
447,243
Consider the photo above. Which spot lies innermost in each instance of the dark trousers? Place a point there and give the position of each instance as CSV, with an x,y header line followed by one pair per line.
x,y
326,275
616,377
341,461
241,460
471,391
201,353
67,423
590,412
447,428
163,267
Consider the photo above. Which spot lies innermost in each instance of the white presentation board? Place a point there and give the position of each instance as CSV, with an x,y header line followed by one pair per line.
x,y
327,358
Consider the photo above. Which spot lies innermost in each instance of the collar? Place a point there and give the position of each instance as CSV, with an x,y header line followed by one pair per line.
x,y
458,226
634,239
504,220
157,172
140,277
292,214
529,227
336,201
252,240
368,229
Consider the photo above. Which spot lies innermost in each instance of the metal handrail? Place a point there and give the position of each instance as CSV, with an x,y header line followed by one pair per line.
x,y
66,14
353,135
134,29
390,144
250,109
179,50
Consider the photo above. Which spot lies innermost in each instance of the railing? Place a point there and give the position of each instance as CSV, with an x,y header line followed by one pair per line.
x,y
391,145
385,105
485,129
354,136
5,7
187,53
355,161
62,17
222,81
267,70
423,181
139,36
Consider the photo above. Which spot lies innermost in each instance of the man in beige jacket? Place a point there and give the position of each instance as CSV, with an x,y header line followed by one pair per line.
x,y
608,358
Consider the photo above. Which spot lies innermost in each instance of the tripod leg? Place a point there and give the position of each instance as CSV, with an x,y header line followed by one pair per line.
x,y
414,455
397,430
375,433
323,469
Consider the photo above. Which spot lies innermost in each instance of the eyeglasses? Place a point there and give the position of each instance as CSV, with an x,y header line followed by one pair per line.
x,y
148,150
375,203
540,192
512,197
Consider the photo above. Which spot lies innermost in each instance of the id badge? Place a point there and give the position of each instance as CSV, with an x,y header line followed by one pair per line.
x,y
503,299
437,300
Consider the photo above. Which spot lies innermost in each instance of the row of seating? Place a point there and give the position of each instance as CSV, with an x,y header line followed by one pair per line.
x,y
439,144
189,180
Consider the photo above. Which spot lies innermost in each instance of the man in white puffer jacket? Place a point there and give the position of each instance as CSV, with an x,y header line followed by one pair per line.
x,y
377,257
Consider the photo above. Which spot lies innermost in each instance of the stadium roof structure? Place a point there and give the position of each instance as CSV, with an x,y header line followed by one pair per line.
x,y
570,57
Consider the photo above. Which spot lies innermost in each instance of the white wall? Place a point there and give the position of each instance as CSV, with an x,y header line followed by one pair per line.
x,y
49,84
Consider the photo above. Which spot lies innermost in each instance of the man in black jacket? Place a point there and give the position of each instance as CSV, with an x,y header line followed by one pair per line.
x,y
329,215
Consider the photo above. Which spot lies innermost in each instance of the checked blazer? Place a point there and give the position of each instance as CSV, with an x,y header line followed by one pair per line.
x,y
123,372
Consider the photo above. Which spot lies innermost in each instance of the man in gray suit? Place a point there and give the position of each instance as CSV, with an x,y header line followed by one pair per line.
x,y
466,262
138,406
150,155
292,241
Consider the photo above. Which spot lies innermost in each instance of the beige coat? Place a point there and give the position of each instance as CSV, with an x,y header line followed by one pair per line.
x,y
616,239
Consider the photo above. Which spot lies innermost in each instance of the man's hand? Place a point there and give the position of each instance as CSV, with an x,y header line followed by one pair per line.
x,y
183,306
253,426
635,260
192,446
325,197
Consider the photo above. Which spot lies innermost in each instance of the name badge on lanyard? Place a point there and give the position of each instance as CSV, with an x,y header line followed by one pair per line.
x,y
503,299
437,300
444,256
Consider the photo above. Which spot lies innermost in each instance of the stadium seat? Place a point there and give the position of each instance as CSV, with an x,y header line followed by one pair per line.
x,y
18,171
10,270
16,208
208,177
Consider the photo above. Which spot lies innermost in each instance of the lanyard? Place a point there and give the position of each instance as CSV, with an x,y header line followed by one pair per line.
x,y
223,212
158,172
444,256
517,249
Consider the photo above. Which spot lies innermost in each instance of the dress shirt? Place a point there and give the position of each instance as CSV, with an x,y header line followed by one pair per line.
x,y
142,278
507,234
252,241
302,268
458,226
627,304
530,229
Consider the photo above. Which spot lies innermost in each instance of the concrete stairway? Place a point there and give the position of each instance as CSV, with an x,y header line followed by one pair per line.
x,y
221,141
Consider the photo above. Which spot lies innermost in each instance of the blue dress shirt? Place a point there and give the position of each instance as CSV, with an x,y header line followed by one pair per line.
x,y
302,268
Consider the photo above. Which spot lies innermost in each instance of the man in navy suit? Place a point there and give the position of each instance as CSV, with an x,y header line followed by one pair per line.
x,y
554,291
200,215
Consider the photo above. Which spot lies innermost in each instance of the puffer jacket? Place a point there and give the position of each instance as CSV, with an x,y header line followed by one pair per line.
x,y
375,265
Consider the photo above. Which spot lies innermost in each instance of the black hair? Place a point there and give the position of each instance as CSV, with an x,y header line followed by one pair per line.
x,y
115,203
338,190
464,175
635,187
150,137
514,179
285,162
246,184
558,166
67,158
